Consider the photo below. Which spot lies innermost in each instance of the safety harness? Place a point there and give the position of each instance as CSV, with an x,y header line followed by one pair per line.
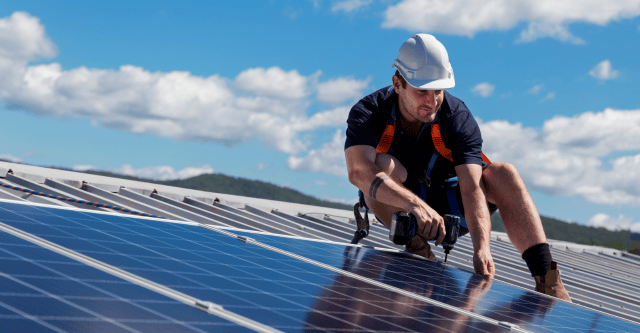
x,y
384,146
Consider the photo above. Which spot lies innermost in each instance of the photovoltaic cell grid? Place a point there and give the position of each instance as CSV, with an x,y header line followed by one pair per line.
x,y
42,291
464,290
263,285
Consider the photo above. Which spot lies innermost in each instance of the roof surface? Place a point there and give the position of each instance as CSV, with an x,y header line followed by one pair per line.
x,y
74,267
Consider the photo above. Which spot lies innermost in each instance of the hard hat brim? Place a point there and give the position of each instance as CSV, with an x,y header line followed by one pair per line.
x,y
440,84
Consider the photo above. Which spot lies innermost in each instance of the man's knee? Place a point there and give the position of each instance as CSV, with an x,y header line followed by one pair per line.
x,y
392,167
499,172
499,177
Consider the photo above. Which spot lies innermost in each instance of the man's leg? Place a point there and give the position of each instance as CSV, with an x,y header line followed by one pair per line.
x,y
504,187
397,172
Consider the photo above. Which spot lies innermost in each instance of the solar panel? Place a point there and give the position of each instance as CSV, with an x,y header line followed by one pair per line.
x,y
41,291
493,299
264,285
293,295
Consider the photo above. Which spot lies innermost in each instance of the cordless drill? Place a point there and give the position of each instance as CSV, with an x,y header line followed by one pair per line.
x,y
404,227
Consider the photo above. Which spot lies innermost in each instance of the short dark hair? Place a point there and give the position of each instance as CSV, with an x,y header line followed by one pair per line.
x,y
402,80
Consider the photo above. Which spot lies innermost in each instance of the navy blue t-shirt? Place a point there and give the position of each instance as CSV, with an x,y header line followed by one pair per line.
x,y
460,133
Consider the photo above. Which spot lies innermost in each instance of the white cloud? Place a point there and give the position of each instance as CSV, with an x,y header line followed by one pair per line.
x,y
535,89
23,38
273,82
292,13
483,89
545,18
163,172
316,3
329,158
549,96
10,158
84,167
622,222
543,28
261,166
349,6
322,182
603,71
340,200
341,90
330,118
568,155
267,104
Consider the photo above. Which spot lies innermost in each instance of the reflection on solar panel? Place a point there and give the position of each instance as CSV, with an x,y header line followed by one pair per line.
x,y
493,299
367,289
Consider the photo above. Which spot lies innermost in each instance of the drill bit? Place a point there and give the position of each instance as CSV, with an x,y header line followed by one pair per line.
x,y
445,257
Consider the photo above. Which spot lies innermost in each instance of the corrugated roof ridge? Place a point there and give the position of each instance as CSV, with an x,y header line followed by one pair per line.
x,y
71,177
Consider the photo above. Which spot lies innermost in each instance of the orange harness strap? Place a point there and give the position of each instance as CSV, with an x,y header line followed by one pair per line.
x,y
440,147
387,136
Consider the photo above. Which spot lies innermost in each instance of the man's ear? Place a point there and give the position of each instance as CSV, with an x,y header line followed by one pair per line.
x,y
396,83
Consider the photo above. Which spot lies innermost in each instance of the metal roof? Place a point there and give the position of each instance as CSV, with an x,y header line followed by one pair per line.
x,y
601,280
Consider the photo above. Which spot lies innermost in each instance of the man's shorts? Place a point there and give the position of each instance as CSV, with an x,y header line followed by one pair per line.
x,y
444,198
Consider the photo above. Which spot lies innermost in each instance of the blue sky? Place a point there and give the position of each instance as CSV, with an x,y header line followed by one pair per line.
x,y
261,89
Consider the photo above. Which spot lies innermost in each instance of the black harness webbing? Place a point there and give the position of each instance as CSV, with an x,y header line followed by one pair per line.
x,y
362,224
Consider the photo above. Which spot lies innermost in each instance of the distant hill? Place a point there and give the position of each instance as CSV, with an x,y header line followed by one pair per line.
x,y
238,186
581,234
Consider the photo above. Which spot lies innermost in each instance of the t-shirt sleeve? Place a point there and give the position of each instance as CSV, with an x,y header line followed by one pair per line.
x,y
359,123
464,139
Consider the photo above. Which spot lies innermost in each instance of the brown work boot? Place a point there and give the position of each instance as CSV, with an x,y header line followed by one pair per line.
x,y
551,284
419,246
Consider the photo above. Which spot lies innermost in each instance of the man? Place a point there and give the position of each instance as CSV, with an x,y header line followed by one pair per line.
x,y
406,142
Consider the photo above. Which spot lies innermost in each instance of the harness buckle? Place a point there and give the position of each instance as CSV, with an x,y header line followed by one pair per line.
x,y
362,224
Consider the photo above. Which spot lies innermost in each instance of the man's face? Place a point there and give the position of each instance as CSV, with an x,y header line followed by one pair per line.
x,y
416,104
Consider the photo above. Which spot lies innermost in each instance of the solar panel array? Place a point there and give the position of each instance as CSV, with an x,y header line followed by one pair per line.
x,y
274,281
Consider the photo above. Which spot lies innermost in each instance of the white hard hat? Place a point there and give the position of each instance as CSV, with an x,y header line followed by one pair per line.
x,y
424,63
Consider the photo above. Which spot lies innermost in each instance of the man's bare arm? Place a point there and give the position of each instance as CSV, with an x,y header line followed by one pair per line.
x,y
477,216
365,174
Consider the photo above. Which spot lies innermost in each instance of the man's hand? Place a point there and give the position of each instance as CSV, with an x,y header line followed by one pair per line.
x,y
483,263
430,223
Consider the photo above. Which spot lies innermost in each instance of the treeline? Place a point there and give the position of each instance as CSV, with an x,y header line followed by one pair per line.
x,y
581,234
